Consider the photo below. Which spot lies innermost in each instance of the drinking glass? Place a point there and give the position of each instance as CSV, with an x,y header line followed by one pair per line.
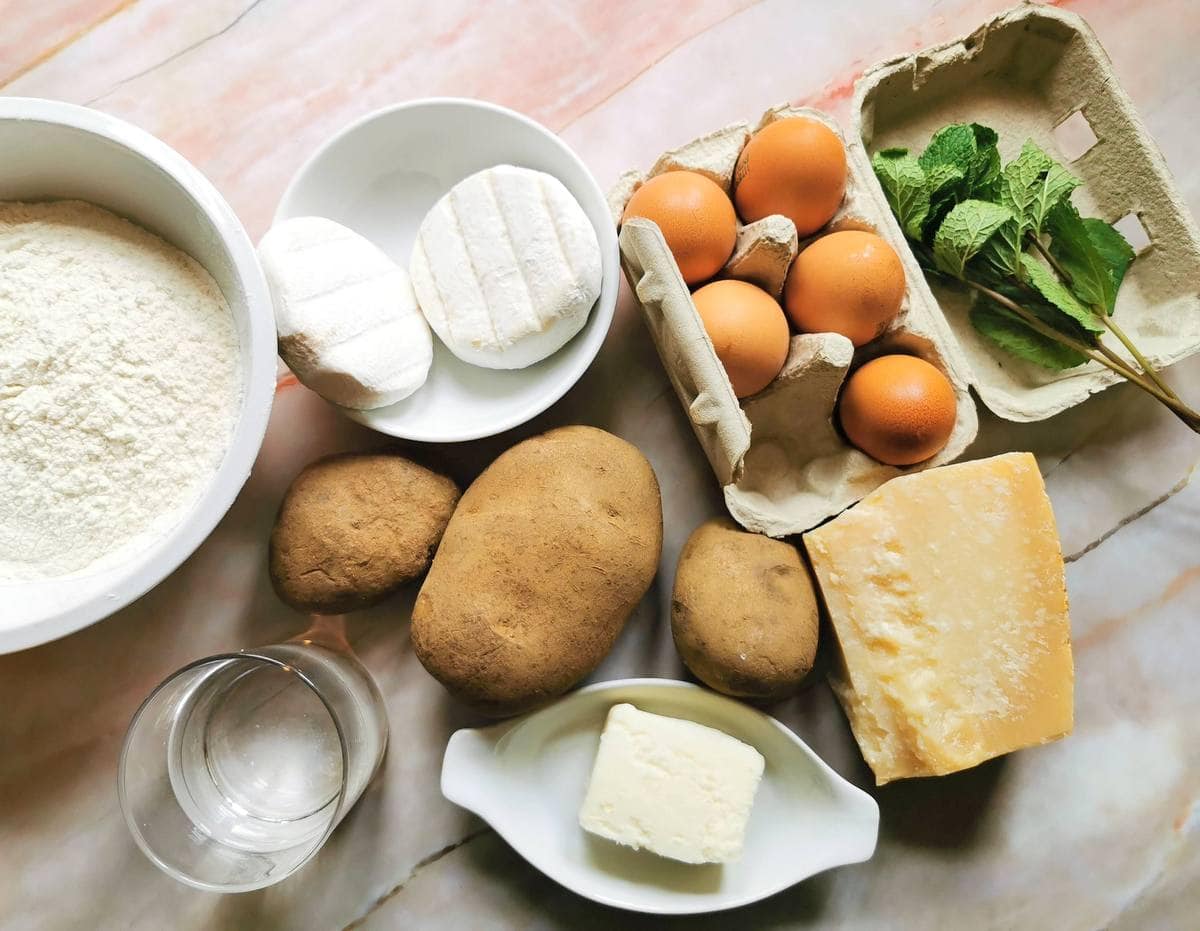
x,y
237,768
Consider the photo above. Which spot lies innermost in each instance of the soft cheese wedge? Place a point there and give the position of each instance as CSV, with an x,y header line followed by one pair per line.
x,y
347,318
506,267
946,593
673,787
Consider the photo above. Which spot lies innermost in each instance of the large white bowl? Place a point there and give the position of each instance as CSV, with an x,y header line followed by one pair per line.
x,y
51,150
381,175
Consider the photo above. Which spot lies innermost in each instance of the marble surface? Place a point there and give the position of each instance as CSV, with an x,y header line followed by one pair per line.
x,y
1100,830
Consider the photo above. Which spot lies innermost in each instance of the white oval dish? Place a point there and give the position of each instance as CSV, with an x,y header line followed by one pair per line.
x,y
50,151
380,175
527,779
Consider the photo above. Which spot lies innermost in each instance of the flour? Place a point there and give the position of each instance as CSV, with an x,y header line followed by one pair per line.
x,y
119,387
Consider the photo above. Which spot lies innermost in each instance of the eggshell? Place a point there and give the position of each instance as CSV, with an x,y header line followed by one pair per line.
x,y
794,167
898,409
748,331
850,282
695,216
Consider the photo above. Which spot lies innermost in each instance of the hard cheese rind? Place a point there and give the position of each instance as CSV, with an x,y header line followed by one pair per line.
x,y
673,787
946,593
506,267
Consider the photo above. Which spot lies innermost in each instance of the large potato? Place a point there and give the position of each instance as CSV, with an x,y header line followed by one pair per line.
x,y
744,612
548,554
355,527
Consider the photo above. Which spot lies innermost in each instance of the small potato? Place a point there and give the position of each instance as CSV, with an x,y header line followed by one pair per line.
x,y
744,612
355,527
548,554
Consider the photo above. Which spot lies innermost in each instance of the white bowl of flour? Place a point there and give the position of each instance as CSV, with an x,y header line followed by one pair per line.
x,y
137,365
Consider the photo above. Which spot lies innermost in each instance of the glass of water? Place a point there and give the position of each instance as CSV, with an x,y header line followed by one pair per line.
x,y
238,767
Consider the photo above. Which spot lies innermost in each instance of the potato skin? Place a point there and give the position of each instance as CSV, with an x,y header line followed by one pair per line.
x,y
354,527
548,554
744,612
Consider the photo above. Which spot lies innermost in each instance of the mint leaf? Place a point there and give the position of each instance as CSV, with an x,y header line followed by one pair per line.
x,y
984,135
1032,184
1057,293
983,177
1019,180
1002,253
1054,187
943,181
952,145
1095,271
939,177
1113,248
1016,189
1014,336
963,233
905,186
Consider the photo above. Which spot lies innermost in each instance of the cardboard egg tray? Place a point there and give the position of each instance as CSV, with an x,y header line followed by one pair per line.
x,y
779,456
781,460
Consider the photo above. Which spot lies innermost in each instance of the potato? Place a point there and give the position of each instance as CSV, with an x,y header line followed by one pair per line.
x,y
548,554
355,527
744,612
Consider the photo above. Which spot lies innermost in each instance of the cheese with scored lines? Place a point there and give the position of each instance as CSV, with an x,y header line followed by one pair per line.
x,y
946,593
348,322
506,267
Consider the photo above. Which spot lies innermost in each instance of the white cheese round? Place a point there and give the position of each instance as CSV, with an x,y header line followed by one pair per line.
x,y
348,321
506,267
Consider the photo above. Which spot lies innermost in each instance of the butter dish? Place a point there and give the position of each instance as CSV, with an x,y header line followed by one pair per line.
x,y
527,778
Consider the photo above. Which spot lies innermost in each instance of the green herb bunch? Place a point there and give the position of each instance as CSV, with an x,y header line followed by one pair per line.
x,y
1045,278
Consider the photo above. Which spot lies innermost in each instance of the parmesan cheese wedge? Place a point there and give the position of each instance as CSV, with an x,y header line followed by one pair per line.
x,y
347,318
947,596
506,267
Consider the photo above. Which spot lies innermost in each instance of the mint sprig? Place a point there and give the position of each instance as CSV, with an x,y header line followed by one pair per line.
x,y
1092,253
1045,278
907,188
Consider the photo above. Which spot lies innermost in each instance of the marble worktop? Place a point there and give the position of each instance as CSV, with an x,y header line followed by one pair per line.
x,y
1099,830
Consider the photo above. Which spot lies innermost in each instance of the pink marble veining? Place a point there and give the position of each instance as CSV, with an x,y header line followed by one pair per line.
x,y
1100,830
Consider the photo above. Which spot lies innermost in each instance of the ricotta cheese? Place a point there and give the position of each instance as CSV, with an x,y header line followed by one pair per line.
x,y
506,267
673,787
347,318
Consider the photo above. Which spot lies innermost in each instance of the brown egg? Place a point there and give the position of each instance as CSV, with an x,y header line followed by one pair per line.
x,y
696,218
748,330
898,409
795,167
850,282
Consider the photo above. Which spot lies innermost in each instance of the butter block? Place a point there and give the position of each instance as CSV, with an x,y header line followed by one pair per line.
x,y
947,596
673,787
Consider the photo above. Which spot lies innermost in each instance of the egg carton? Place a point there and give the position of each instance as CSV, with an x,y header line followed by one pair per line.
x,y
781,460
783,464
1039,73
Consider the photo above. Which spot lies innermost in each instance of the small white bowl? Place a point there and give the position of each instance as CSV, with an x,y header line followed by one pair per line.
x,y
380,175
527,779
54,151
